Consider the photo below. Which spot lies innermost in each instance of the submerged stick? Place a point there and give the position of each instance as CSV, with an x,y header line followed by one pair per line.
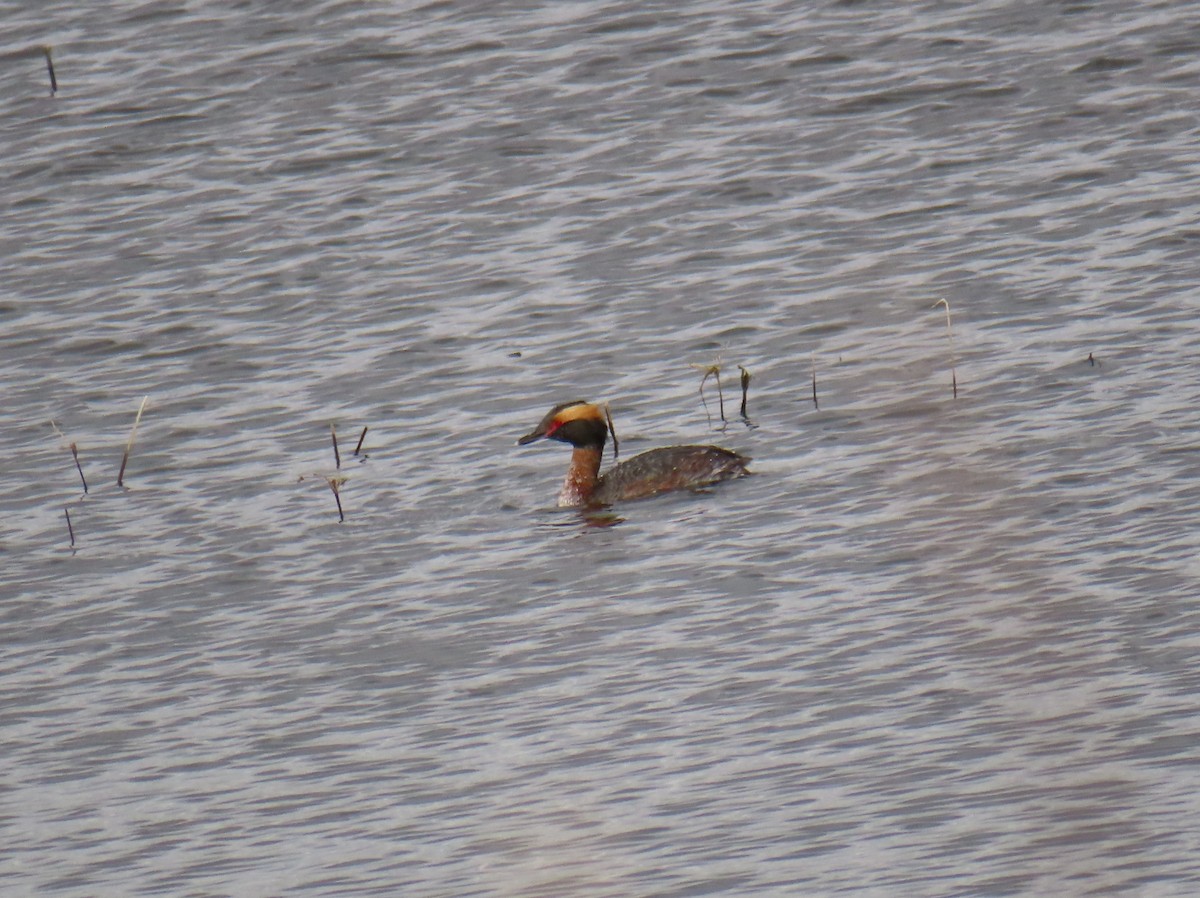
x,y
337,458
78,466
70,529
50,69
950,338
361,437
335,484
129,445
816,404
745,389
613,432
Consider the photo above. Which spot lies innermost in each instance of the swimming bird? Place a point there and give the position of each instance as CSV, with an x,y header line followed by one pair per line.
x,y
656,471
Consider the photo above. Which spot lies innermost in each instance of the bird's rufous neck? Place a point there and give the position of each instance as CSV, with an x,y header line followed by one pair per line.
x,y
581,479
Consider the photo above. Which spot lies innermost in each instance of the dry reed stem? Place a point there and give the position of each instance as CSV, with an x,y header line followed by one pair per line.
x,y
612,432
50,69
950,338
129,445
337,458
335,484
361,437
813,359
70,529
78,466
745,389
713,371
74,452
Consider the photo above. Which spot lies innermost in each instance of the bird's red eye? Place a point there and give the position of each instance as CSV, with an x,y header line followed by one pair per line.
x,y
554,425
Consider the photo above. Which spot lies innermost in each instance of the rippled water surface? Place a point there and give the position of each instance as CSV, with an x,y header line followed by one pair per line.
x,y
936,646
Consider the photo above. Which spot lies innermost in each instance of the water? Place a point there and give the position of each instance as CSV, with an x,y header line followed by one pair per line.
x,y
936,646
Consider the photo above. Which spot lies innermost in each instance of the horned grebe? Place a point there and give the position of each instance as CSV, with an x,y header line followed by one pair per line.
x,y
657,471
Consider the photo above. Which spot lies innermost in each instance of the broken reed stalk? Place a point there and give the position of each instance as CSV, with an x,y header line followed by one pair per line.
x,y
70,529
612,432
361,437
50,69
950,338
816,404
129,445
745,389
74,451
335,484
337,458
711,371
78,466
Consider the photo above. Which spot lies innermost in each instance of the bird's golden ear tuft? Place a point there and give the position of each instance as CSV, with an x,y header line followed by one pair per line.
x,y
578,411
562,414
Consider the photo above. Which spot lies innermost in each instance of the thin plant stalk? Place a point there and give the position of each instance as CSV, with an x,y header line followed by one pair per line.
x,y
745,389
74,452
361,437
70,529
50,70
337,458
816,404
613,432
713,371
950,338
129,445
335,484
78,466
